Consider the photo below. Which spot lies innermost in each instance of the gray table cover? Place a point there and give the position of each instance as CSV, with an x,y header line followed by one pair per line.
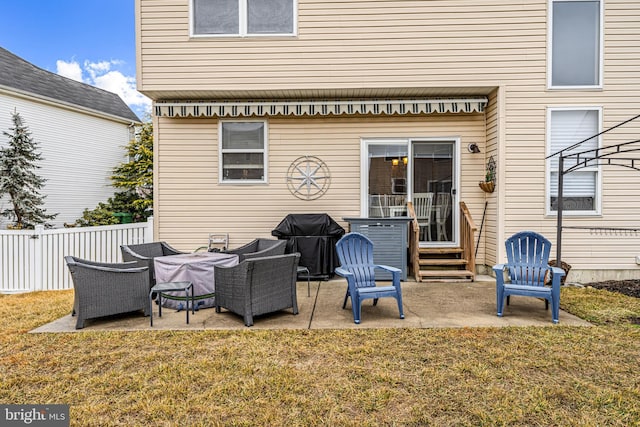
x,y
196,268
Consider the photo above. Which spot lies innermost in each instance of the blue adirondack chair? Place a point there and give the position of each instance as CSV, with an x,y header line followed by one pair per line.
x,y
528,270
355,252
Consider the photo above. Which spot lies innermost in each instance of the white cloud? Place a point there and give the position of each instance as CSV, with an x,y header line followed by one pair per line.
x,y
96,68
116,82
70,70
104,75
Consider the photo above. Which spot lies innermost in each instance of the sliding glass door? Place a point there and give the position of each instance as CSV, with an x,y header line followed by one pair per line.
x,y
420,170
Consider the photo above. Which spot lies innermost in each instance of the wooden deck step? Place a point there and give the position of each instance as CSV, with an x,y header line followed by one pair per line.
x,y
439,251
443,264
449,274
435,262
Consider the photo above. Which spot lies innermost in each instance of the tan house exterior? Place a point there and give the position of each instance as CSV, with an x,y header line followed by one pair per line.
x,y
357,84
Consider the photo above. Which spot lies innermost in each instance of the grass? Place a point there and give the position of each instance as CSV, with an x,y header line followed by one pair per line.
x,y
601,307
533,376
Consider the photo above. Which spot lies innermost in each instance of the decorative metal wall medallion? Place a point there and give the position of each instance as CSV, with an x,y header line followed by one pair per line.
x,y
308,178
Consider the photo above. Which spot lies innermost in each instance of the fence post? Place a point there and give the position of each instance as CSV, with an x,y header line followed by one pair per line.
x,y
148,231
38,258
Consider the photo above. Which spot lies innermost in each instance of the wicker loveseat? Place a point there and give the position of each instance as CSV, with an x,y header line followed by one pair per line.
x,y
258,286
104,289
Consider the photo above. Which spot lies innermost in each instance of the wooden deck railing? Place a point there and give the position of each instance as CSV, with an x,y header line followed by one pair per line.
x,y
467,234
414,242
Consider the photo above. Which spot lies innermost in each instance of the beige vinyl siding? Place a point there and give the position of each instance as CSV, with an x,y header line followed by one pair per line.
x,y
392,48
524,182
488,234
525,149
348,44
384,44
193,203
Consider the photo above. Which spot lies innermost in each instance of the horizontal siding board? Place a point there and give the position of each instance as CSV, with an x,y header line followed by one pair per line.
x,y
248,211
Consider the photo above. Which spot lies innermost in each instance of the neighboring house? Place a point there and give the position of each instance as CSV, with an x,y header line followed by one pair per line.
x,y
389,96
81,131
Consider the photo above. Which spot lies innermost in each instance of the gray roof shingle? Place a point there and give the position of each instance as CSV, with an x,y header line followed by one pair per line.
x,y
18,74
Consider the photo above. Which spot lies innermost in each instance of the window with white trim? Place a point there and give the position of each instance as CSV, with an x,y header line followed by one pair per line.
x,y
576,43
243,17
581,188
243,152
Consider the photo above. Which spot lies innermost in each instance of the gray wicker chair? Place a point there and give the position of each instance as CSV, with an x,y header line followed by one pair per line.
x,y
259,248
104,289
258,286
145,253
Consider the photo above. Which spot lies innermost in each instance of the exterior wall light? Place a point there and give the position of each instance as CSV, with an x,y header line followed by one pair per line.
x,y
473,148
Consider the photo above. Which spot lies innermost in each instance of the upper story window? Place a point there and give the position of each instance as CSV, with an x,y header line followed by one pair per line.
x,y
581,189
243,152
576,44
243,17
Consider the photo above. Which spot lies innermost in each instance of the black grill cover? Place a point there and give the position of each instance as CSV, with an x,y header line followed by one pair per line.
x,y
314,236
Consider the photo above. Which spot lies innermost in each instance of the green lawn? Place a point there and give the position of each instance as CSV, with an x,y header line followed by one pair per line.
x,y
555,375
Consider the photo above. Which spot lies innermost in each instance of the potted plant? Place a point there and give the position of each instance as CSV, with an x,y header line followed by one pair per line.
x,y
489,183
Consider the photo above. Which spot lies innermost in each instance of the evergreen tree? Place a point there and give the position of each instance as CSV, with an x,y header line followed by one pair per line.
x,y
18,162
136,176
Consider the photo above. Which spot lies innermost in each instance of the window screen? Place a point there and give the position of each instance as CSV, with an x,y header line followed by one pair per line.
x,y
270,16
243,151
216,17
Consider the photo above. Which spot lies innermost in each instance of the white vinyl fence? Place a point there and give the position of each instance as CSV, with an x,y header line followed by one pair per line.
x,y
33,260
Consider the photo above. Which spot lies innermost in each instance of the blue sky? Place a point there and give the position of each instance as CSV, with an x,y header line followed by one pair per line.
x,y
88,40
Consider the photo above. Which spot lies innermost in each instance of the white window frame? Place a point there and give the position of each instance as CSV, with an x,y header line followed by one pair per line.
x,y
264,151
597,169
243,23
598,85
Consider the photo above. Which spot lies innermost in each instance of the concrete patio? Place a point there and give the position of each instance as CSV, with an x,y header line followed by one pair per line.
x,y
426,305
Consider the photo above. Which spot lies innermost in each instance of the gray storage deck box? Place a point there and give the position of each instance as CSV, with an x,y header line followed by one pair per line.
x,y
389,237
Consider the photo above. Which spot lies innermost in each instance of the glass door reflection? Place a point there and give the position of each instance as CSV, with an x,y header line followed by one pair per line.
x,y
433,189
387,195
